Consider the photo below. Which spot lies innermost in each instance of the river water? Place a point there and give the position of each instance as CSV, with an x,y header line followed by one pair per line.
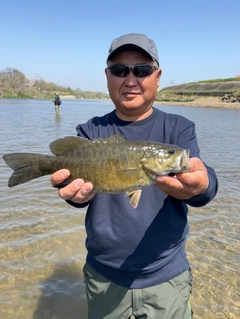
x,y
42,238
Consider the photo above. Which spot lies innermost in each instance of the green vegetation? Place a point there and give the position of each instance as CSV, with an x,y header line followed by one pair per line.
x,y
215,80
14,84
188,91
218,80
170,96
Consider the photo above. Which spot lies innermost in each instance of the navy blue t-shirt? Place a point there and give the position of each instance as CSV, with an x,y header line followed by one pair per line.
x,y
141,247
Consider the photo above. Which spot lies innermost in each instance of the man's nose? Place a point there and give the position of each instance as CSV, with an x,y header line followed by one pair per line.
x,y
131,79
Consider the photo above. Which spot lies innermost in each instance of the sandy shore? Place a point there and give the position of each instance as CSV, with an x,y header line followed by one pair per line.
x,y
205,102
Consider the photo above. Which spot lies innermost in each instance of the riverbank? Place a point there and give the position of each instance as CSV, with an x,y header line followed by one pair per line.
x,y
214,102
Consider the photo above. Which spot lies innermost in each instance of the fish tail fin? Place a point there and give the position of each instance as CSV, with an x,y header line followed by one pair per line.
x,y
26,167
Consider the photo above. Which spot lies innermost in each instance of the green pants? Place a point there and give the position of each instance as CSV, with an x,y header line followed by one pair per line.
x,y
107,300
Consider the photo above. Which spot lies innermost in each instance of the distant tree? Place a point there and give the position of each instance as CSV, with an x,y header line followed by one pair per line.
x,y
41,84
69,89
13,81
99,95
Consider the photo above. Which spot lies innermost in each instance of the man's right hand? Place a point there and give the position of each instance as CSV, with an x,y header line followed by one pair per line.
x,y
77,191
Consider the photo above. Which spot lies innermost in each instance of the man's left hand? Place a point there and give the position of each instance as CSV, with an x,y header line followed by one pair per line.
x,y
187,184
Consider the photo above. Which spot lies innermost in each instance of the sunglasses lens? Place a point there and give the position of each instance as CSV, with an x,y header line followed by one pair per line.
x,y
142,70
119,70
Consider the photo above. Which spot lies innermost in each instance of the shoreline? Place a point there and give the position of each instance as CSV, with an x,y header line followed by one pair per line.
x,y
213,102
205,102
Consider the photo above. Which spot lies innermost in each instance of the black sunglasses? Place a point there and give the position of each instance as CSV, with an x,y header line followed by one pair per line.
x,y
139,70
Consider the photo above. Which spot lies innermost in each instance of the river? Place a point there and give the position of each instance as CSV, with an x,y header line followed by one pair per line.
x,y
42,238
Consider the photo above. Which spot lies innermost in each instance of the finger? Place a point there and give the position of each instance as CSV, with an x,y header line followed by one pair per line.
x,y
77,191
80,199
86,189
173,187
186,177
84,194
59,176
167,183
196,178
71,189
172,180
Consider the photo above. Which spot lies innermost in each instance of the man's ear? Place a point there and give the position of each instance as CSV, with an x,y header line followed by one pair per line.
x,y
159,73
106,73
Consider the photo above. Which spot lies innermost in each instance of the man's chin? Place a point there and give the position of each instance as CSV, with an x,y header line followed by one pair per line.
x,y
130,106
133,101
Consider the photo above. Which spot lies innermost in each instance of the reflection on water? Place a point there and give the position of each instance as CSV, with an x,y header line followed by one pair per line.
x,y
57,117
42,238
61,294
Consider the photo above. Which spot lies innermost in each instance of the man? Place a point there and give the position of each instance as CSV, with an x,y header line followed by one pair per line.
x,y
136,262
57,102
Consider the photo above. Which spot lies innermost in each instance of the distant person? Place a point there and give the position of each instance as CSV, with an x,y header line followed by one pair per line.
x,y
136,261
57,102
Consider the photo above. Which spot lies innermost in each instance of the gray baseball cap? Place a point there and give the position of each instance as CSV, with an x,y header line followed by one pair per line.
x,y
133,41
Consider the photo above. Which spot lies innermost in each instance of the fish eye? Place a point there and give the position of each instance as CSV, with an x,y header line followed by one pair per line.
x,y
171,151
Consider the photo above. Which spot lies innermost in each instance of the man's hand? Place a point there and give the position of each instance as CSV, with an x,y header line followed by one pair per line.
x,y
188,184
77,191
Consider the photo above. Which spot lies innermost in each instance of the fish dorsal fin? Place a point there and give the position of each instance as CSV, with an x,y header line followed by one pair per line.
x,y
115,138
66,144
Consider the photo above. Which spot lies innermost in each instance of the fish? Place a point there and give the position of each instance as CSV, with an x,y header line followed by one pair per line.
x,y
113,165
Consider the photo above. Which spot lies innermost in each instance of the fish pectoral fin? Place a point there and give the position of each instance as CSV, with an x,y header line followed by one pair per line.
x,y
149,157
134,197
124,174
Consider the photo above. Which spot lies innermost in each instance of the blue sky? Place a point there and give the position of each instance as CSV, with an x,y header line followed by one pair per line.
x,y
66,42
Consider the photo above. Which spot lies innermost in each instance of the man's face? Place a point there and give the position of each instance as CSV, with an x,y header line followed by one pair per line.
x,y
133,96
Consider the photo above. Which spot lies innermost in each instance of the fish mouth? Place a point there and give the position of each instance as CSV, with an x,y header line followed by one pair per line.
x,y
181,163
184,164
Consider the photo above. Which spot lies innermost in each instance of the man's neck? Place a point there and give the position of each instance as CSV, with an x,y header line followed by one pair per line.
x,y
132,116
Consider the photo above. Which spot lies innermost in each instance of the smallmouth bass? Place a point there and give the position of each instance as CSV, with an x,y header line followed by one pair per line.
x,y
113,165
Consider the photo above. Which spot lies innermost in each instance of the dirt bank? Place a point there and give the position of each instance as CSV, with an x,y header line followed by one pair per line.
x,y
205,102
